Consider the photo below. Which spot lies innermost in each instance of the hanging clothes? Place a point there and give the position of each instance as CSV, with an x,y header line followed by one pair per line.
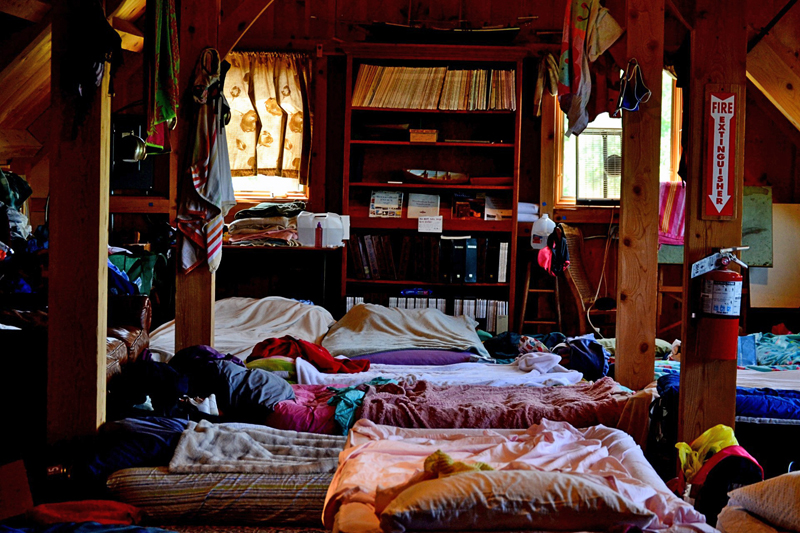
x,y
162,97
671,212
589,30
207,188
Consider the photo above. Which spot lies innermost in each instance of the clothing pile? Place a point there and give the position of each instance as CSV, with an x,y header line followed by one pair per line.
x,y
267,224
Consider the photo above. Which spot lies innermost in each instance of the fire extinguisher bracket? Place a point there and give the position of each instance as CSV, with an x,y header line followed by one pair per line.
x,y
717,260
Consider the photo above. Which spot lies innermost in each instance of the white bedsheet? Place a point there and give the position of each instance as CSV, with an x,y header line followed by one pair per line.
x,y
458,374
384,456
783,380
241,323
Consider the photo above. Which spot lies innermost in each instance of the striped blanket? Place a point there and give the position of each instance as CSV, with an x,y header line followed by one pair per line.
x,y
236,447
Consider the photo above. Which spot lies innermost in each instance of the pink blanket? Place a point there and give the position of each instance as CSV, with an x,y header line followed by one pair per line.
x,y
309,412
424,405
382,457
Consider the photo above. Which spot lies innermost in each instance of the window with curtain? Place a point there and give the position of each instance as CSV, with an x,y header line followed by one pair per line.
x,y
269,135
592,162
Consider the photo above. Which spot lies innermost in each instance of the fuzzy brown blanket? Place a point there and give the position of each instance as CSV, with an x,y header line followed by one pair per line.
x,y
424,405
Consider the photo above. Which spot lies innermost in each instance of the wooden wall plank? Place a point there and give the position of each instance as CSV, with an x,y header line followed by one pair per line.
x,y
719,52
637,273
76,374
18,143
194,298
235,25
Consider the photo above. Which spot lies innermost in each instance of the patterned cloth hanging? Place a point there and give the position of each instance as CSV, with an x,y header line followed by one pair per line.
x,y
162,95
207,189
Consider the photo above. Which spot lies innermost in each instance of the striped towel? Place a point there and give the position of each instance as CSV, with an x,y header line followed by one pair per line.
x,y
671,212
207,188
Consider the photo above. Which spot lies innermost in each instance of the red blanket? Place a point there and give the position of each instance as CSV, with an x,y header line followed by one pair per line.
x,y
318,356
479,406
100,511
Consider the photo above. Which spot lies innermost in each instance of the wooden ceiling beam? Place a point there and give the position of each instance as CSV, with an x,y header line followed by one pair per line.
x,y
132,37
32,10
129,10
775,70
18,143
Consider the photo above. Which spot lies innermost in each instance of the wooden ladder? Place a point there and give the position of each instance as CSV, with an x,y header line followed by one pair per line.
x,y
537,322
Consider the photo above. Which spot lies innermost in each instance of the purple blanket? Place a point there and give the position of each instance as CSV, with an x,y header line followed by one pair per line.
x,y
424,405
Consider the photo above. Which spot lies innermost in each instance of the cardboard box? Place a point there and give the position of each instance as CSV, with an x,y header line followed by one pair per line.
x,y
423,136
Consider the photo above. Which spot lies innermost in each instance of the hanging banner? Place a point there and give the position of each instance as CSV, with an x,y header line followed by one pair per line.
x,y
719,183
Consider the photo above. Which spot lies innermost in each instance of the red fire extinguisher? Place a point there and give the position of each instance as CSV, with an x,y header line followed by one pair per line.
x,y
720,304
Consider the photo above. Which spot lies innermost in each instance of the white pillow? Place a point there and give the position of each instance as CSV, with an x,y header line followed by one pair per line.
x,y
777,500
511,500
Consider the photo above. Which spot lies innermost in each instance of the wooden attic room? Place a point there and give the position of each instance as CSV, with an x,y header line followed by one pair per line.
x,y
218,313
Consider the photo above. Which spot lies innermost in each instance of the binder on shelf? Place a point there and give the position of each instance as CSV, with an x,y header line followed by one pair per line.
x,y
481,260
405,258
355,260
471,261
383,267
492,260
391,271
372,256
502,269
362,253
458,260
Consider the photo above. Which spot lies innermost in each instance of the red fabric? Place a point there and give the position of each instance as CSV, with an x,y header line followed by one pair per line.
x,y
100,511
781,329
700,477
318,356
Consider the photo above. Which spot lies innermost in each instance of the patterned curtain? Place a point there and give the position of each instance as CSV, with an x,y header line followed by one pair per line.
x,y
271,123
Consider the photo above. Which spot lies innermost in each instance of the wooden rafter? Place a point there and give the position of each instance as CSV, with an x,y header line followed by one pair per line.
x,y
132,37
32,10
775,70
26,76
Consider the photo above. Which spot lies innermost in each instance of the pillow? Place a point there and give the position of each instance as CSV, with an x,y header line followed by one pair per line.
x,y
283,367
417,357
663,348
511,500
775,500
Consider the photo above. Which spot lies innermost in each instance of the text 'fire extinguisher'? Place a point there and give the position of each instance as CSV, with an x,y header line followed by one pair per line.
x,y
720,304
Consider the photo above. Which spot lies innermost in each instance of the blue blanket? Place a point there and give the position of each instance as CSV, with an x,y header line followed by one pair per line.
x,y
754,403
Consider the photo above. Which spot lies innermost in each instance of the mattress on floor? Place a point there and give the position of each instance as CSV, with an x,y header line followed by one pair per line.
x,y
222,498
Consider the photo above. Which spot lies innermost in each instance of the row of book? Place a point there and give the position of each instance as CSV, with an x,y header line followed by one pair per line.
x,y
429,258
491,315
434,88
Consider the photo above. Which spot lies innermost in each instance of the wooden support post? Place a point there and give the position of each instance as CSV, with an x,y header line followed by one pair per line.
x,y
637,271
194,298
719,52
78,273
550,153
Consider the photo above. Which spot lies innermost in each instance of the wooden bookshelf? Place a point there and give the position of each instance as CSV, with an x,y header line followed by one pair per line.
x,y
488,145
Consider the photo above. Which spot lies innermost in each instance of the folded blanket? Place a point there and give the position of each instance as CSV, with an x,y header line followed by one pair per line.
x,y
369,328
233,447
424,405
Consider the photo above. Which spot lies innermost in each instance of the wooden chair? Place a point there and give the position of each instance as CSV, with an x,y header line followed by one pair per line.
x,y
582,290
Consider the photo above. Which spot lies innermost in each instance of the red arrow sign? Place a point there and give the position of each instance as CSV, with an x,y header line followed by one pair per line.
x,y
720,122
